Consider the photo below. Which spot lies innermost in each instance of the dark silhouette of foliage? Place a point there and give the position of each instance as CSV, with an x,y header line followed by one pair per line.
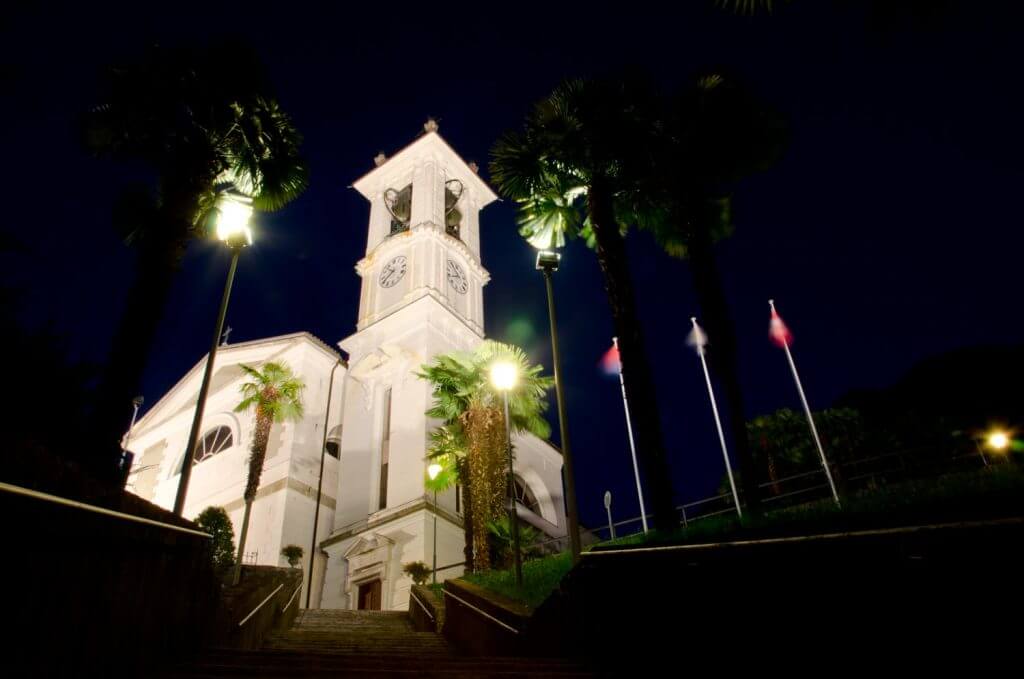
x,y
292,554
205,121
215,521
582,167
418,571
715,134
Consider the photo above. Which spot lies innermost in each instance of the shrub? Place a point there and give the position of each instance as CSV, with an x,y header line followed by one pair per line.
x,y
293,554
418,571
215,521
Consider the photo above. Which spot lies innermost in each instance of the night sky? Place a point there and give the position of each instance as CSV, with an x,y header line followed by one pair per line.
x,y
890,231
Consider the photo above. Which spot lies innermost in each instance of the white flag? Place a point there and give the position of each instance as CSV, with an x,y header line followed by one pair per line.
x,y
697,338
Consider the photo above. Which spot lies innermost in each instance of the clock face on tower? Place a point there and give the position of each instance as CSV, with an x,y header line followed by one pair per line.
x,y
393,271
457,278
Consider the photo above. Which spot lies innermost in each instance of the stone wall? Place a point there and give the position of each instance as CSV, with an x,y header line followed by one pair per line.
x,y
101,592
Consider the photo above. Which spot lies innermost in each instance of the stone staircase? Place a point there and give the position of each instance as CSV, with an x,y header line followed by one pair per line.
x,y
333,643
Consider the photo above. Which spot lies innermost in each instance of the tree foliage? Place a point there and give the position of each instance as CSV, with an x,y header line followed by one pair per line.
x,y
292,554
784,439
582,166
470,442
203,121
216,522
502,551
418,571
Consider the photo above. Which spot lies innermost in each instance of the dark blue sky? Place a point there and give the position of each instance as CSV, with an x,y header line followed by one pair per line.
x,y
890,231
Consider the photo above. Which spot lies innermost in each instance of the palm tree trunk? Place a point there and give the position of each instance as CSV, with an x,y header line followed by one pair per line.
x,y
257,455
636,370
707,284
236,576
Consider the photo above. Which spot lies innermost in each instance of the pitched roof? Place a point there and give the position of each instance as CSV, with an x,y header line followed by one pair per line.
x,y
144,421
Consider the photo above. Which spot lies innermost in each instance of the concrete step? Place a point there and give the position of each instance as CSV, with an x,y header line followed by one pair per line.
x,y
328,643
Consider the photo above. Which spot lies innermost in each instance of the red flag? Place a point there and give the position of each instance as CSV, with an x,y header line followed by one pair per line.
x,y
610,363
777,330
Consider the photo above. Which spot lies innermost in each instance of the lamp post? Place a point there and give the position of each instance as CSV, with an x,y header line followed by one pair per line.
x,y
432,471
233,230
136,404
504,377
547,262
320,478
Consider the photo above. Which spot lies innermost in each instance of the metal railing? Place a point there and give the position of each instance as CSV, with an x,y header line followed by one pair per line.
x,y
901,464
269,597
801,487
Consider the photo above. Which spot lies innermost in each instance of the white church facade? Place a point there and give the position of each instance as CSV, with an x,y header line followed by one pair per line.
x,y
421,295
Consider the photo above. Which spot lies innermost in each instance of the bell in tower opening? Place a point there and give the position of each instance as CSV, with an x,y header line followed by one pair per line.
x,y
453,189
399,204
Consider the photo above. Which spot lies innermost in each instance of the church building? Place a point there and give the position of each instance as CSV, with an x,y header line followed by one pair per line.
x,y
421,295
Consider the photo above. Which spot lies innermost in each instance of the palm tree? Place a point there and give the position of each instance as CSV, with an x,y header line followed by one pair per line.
x,y
579,168
203,121
717,133
449,449
275,394
472,433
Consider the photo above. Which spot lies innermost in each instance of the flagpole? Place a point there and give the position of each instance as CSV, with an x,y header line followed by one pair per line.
x,y
807,411
714,410
632,445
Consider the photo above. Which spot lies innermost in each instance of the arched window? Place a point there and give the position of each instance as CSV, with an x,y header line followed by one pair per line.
x,y
333,445
333,449
214,441
525,496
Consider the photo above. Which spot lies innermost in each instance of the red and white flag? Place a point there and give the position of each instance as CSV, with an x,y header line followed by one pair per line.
x,y
610,363
777,330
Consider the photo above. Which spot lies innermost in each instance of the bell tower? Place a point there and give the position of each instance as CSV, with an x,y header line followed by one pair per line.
x,y
421,295
424,232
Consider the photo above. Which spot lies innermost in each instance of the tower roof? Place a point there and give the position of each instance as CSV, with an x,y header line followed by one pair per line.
x,y
428,144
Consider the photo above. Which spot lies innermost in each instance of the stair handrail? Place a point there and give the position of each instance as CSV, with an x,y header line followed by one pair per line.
x,y
422,605
288,605
482,612
260,605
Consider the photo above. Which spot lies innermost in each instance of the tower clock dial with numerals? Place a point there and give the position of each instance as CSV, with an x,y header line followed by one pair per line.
x,y
393,271
457,278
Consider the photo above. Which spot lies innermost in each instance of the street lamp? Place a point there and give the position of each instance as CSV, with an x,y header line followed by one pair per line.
x,y
547,263
432,471
998,440
504,376
233,213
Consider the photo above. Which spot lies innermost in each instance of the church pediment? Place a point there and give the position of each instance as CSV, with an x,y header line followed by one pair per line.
x,y
368,544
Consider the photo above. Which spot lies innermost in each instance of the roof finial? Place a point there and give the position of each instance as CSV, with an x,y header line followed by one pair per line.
x,y
430,125
379,159
474,167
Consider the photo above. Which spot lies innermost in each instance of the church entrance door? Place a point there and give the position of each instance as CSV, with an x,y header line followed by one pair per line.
x,y
369,596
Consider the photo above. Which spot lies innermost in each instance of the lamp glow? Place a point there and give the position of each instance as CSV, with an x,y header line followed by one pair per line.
x,y
433,470
998,440
234,212
504,376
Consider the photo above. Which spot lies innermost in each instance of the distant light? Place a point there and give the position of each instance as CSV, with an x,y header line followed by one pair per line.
x,y
504,376
998,440
433,470
233,216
